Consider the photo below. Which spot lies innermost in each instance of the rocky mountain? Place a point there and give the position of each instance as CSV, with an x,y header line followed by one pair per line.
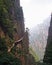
x,y
14,40
38,37
48,52
11,31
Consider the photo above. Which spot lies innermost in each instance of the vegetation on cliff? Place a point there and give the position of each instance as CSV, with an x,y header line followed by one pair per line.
x,y
6,27
11,29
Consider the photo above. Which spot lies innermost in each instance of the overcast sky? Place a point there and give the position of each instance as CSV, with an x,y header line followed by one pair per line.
x,y
35,11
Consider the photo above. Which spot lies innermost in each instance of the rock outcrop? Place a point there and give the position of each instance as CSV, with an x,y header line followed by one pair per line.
x,y
48,51
12,31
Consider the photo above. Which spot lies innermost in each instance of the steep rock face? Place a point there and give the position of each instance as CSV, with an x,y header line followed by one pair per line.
x,y
12,27
18,20
17,17
13,51
14,42
48,51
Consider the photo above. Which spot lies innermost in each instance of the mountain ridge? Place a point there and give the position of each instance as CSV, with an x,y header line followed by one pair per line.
x,y
38,37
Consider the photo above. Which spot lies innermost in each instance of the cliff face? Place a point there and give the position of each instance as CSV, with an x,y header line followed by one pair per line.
x,y
14,41
11,30
48,52
11,19
16,13
18,21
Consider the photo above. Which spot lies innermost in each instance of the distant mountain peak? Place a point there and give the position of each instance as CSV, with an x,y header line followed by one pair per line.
x,y
38,37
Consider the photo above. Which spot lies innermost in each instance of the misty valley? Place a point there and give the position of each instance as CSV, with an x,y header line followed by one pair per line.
x,y
20,45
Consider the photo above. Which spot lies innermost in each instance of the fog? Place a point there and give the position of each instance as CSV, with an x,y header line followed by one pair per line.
x,y
35,11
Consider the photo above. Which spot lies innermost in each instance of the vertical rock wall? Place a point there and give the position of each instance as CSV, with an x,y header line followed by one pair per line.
x,y
48,52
